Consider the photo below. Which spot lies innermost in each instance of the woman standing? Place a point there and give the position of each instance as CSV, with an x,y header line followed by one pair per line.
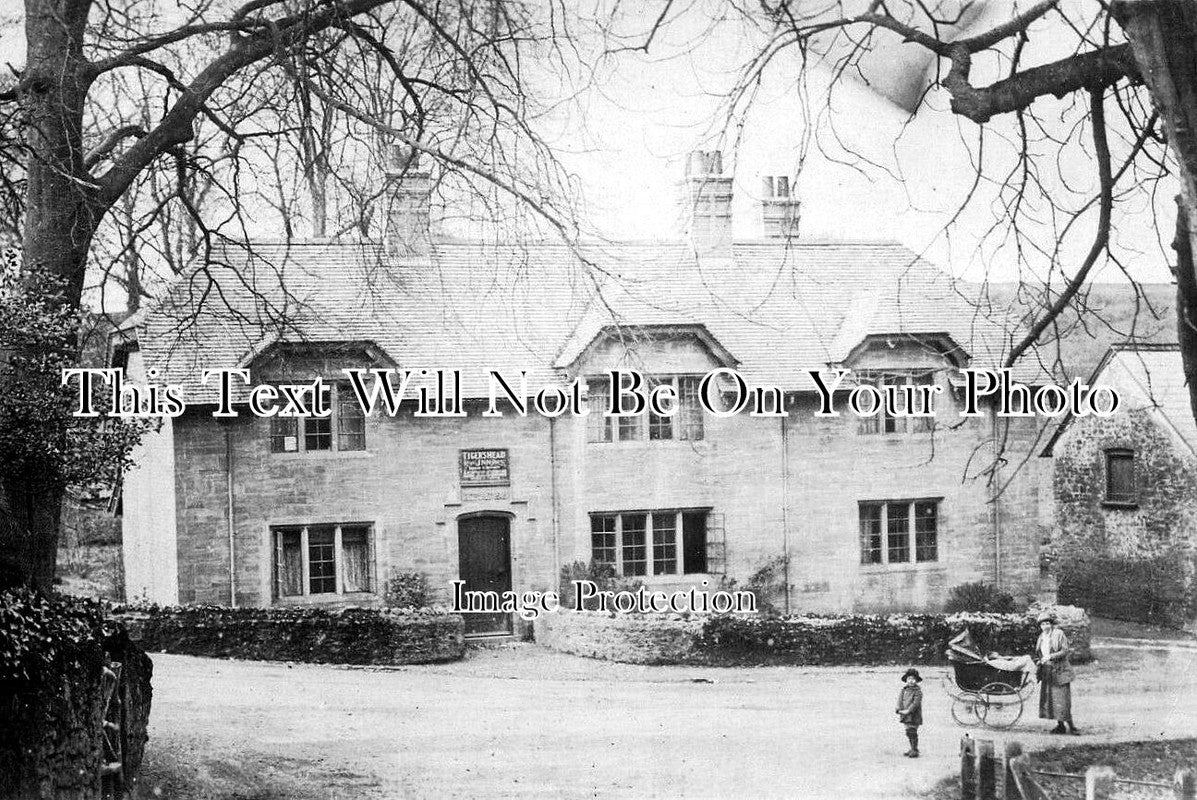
x,y
1055,675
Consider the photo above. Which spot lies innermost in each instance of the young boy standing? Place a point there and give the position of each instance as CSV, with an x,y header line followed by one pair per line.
x,y
910,709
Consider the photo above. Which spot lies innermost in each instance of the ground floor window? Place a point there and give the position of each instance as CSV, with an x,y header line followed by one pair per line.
x,y
894,531
642,543
323,559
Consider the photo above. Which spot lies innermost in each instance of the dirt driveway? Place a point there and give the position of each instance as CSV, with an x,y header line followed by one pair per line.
x,y
520,721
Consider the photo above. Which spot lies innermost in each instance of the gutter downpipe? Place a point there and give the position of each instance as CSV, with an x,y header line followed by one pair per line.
x,y
553,499
228,473
785,501
997,506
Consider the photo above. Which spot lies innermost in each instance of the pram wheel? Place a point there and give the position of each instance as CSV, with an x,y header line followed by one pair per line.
x,y
968,709
1002,706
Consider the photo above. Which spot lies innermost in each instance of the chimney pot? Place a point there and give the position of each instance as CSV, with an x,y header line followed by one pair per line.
x,y
706,196
408,198
779,208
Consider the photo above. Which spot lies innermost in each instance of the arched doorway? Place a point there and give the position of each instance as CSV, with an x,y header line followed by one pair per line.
x,y
484,564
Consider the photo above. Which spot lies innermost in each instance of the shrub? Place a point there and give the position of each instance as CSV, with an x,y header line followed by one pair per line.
x,y
768,584
1150,590
860,638
979,597
405,590
42,635
600,573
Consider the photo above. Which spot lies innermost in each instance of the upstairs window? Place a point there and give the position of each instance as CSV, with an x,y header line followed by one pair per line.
x,y
886,420
1120,477
686,424
343,431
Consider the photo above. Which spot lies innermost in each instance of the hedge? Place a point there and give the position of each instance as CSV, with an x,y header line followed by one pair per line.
x,y
796,640
52,653
315,635
1155,590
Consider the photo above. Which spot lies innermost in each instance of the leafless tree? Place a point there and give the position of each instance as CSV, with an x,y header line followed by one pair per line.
x,y
1124,75
126,135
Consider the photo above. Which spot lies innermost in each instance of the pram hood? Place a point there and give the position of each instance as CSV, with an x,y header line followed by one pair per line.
x,y
963,649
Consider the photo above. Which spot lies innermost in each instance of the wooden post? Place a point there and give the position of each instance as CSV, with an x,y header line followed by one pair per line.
x,y
1184,785
1024,782
968,768
1099,783
986,788
1005,788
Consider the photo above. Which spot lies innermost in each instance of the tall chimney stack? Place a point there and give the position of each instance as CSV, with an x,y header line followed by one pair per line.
x,y
408,196
706,196
779,208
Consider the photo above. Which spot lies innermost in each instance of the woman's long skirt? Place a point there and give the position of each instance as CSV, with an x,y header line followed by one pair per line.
x,y
1055,702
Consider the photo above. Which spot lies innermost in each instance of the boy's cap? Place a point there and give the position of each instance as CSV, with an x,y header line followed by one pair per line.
x,y
912,673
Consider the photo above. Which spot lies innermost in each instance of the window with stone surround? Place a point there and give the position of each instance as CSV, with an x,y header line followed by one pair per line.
x,y
643,543
323,560
686,424
344,430
885,421
1121,489
899,531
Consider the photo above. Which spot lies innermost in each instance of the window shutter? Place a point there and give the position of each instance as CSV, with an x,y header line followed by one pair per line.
x,y
716,544
372,562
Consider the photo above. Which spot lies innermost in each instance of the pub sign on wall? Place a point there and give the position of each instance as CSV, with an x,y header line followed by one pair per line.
x,y
485,467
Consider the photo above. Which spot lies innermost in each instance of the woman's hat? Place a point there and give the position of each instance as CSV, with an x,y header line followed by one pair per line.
x,y
1046,616
912,673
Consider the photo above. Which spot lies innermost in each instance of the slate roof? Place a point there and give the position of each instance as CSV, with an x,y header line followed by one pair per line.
x,y
1153,377
779,308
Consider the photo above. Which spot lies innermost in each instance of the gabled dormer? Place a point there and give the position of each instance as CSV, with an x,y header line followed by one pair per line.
x,y
674,355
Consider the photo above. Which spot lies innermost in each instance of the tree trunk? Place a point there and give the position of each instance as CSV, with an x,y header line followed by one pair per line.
x,y
30,509
60,220
60,216
1163,37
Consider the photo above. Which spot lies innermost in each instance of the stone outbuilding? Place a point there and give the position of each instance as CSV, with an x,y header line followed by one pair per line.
x,y
1125,492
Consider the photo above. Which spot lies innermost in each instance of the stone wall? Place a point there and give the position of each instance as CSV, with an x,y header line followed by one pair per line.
x,y
647,639
313,635
805,640
51,745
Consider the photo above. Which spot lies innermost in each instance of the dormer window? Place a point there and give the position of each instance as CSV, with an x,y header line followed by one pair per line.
x,y
684,425
343,431
886,420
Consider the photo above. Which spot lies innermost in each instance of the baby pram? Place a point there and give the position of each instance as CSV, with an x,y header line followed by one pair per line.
x,y
986,691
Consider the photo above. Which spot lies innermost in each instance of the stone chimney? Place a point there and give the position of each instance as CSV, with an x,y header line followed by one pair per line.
x,y
409,192
706,204
779,208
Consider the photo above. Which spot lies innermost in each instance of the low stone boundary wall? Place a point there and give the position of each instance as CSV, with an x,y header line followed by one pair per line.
x,y
53,655
314,635
799,640
640,639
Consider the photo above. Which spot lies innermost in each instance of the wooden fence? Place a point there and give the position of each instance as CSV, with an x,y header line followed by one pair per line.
x,y
992,772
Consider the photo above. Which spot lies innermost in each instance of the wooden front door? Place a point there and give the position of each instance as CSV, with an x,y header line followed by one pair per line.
x,y
484,563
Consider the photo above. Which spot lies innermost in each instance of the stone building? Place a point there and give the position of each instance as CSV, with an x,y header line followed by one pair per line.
x,y
1125,492
874,513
